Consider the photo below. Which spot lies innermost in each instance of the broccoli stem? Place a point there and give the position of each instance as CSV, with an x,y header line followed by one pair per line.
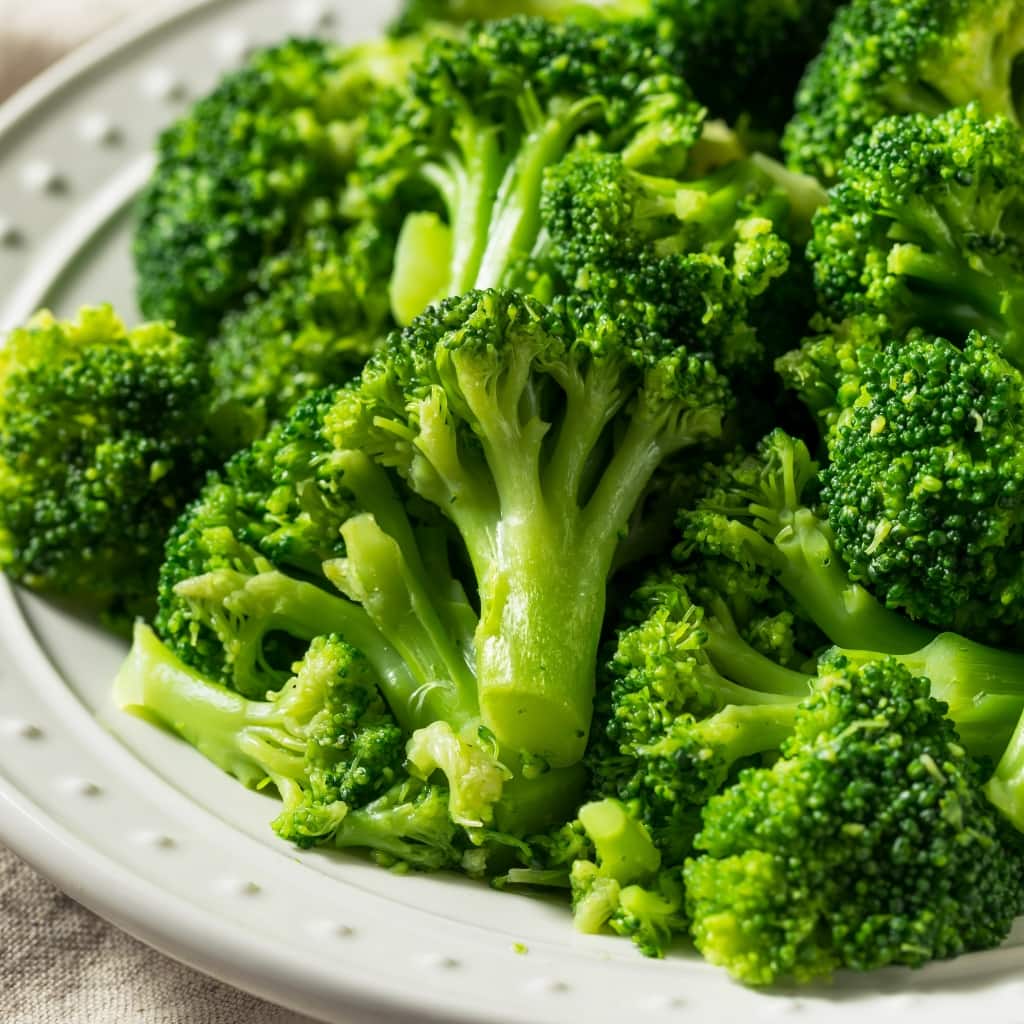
x,y
244,610
739,731
242,737
516,220
1005,789
845,612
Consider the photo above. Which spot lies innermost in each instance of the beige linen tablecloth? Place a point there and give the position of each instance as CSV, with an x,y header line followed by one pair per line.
x,y
60,964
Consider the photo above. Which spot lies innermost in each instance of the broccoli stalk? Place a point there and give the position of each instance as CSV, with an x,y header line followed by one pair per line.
x,y
501,414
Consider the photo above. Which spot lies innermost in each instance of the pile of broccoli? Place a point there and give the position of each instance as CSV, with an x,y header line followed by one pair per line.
x,y
573,451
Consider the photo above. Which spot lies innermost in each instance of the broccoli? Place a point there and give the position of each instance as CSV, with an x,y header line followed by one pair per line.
x,y
913,57
683,699
461,152
255,163
316,312
435,460
687,255
922,228
924,488
103,440
537,437
326,739
753,514
868,843
764,44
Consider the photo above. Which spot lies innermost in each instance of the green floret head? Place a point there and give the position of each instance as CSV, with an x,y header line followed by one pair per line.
x,y
868,843
925,484
914,57
253,163
923,228
102,442
315,314
461,152
824,371
686,256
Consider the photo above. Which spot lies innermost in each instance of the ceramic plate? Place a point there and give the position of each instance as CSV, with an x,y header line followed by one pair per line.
x,y
136,825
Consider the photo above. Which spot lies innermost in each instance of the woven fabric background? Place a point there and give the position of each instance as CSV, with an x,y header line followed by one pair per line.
x,y
60,964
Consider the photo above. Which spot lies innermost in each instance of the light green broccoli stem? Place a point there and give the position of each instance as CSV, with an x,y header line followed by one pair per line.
x,y
741,731
735,659
247,739
1005,789
516,217
625,850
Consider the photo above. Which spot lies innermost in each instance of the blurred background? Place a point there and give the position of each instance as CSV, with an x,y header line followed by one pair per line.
x,y
34,33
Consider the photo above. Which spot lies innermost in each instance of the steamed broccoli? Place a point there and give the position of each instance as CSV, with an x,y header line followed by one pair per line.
x,y
923,228
912,57
103,440
870,842
316,312
326,739
925,483
255,163
461,151
763,44
686,255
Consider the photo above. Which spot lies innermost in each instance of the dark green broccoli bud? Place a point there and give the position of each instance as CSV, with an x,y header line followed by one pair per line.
x,y
252,164
326,740
538,441
102,442
870,842
462,151
925,486
922,228
686,255
316,312
912,57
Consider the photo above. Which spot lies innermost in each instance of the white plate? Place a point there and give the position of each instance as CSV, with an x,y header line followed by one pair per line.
x,y
136,825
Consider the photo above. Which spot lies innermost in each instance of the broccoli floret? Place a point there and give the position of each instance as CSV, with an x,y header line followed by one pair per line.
x,y
684,698
913,57
922,228
251,165
103,441
759,510
316,312
537,438
870,842
686,255
925,483
326,739
753,514
764,44
461,152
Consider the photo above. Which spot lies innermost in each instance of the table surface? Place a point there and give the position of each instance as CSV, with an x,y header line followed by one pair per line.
x,y
59,963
